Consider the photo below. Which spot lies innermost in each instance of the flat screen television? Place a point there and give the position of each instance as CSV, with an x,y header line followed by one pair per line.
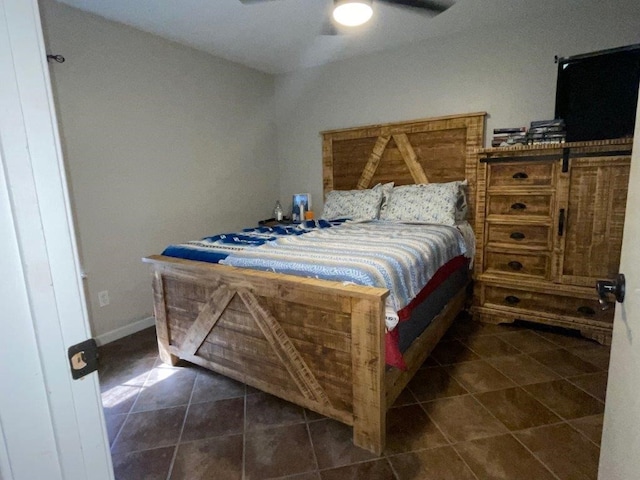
x,y
597,93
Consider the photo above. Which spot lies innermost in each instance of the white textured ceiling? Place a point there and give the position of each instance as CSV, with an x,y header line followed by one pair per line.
x,y
278,36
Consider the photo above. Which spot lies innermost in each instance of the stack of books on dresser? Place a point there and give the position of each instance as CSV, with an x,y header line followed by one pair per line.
x,y
547,131
508,137
540,131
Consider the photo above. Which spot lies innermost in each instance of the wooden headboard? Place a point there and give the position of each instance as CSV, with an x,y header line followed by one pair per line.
x,y
418,151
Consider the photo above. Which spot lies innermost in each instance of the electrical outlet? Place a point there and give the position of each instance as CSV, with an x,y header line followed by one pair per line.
x,y
103,298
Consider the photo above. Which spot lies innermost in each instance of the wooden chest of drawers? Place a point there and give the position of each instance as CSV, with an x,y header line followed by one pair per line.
x,y
549,224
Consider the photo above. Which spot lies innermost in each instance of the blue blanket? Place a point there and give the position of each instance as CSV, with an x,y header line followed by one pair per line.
x,y
218,247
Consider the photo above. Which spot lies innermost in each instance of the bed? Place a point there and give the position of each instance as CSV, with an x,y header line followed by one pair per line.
x,y
318,343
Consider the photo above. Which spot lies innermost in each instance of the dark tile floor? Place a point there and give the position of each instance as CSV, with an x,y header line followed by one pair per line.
x,y
492,402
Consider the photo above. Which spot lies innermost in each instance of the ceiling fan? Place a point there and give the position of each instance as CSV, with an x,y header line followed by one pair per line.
x,y
352,13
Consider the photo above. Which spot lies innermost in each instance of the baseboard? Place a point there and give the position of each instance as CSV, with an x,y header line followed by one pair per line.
x,y
124,331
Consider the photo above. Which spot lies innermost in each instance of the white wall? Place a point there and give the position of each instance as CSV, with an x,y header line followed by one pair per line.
x,y
506,70
162,144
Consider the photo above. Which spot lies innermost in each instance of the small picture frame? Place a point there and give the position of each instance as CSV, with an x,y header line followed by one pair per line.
x,y
300,198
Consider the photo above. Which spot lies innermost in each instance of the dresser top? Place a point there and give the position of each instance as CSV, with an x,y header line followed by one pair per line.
x,y
598,144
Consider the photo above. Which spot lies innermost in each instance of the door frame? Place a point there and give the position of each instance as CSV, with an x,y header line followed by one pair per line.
x,y
51,426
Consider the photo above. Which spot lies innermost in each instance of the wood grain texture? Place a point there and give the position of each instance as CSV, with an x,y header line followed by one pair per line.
x,y
206,319
566,204
162,325
595,219
284,349
368,367
373,162
410,158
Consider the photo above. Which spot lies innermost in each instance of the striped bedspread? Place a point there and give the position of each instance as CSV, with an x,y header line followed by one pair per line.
x,y
399,257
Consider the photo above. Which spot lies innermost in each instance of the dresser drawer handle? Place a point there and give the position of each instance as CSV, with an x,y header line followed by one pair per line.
x,y
520,176
517,236
518,206
587,311
512,300
513,265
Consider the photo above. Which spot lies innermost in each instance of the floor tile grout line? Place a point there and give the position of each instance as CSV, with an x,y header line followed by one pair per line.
x,y
393,471
184,422
359,462
560,375
313,447
563,422
599,368
541,402
563,419
568,379
537,362
547,467
484,360
444,435
484,357
465,462
509,431
582,434
115,439
488,411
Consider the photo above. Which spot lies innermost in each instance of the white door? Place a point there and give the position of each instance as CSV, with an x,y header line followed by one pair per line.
x,y
620,453
51,427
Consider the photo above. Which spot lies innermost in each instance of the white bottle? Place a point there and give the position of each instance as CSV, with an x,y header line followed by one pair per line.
x,y
277,211
301,209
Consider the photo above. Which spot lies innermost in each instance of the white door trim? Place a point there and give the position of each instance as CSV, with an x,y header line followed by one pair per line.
x,y
52,426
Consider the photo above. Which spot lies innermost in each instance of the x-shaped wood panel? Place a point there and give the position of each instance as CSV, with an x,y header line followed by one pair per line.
x,y
408,154
273,332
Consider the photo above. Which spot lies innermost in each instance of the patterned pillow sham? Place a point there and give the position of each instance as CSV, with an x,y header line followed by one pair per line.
x,y
354,204
425,203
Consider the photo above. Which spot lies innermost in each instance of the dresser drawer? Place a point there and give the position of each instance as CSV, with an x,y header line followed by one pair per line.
x,y
533,236
513,204
545,303
520,174
529,264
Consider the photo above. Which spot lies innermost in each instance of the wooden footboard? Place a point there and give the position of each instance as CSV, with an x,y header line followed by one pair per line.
x,y
315,343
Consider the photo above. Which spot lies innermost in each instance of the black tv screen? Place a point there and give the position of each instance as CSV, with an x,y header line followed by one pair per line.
x,y
597,94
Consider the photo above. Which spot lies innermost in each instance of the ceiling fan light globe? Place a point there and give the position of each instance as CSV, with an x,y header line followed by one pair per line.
x,y
352,13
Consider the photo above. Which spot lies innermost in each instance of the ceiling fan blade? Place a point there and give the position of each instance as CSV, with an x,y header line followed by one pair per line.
x,y
438,6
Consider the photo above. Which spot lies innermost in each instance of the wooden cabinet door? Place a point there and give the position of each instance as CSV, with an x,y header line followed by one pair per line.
x,y
593,196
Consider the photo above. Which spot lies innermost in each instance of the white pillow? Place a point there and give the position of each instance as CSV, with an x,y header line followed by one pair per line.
x,y
424,203
353,204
